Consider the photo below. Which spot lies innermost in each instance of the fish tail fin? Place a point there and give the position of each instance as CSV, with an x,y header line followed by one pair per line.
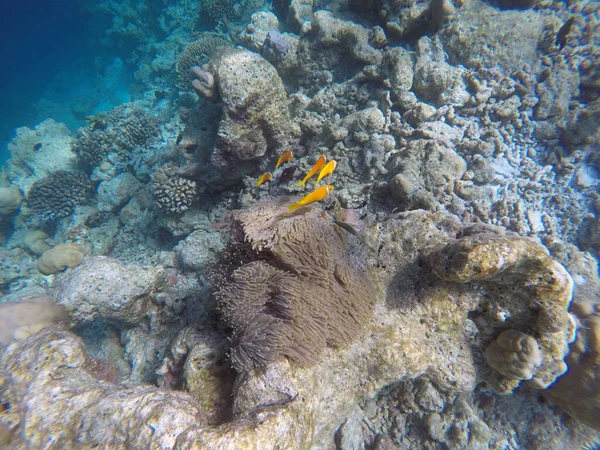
x,y
294,207
301,183
257,184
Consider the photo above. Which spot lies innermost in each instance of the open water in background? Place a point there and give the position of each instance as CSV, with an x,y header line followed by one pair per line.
x,y
41,41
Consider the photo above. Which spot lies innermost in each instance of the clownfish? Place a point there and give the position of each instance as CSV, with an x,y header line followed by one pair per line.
x,y
264,178
286,157
315,196
327,170
318,166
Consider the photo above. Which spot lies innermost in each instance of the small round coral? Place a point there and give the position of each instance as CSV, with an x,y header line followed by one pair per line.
x,y
172,193
515,355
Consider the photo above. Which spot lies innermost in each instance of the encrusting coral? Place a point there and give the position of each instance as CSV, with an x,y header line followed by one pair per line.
x,y
57,194
541,289
295,290
172,193
59,258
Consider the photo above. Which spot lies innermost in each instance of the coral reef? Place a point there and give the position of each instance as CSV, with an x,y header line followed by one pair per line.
x,y
416,330
57,194
445,270
490,35
59,258
120,130
320,299
172,192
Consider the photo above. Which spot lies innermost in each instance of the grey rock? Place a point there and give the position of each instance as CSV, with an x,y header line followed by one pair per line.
x,y
114,193
101,287
199,249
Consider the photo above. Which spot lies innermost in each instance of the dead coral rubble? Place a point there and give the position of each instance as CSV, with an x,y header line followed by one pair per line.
x,y
303,295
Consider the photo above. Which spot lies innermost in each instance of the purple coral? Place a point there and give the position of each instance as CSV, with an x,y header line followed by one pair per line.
x,y
275,46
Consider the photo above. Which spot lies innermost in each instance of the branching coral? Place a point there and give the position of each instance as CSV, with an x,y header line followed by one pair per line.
x,y
120,130
172,193
296,290
217,10
57,194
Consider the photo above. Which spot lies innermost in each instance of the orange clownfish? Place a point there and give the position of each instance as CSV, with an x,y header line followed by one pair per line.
x,y
318,166
286,157
327,170
315,196
264,178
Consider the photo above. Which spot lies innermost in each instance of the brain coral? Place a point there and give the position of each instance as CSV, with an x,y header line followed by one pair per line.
x,y
59,258
57,194
289,287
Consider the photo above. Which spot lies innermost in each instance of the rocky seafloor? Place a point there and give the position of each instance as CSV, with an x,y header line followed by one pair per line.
x,y
444,295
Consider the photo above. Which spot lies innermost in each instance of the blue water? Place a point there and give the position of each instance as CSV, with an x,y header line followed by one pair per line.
x,y
50,64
